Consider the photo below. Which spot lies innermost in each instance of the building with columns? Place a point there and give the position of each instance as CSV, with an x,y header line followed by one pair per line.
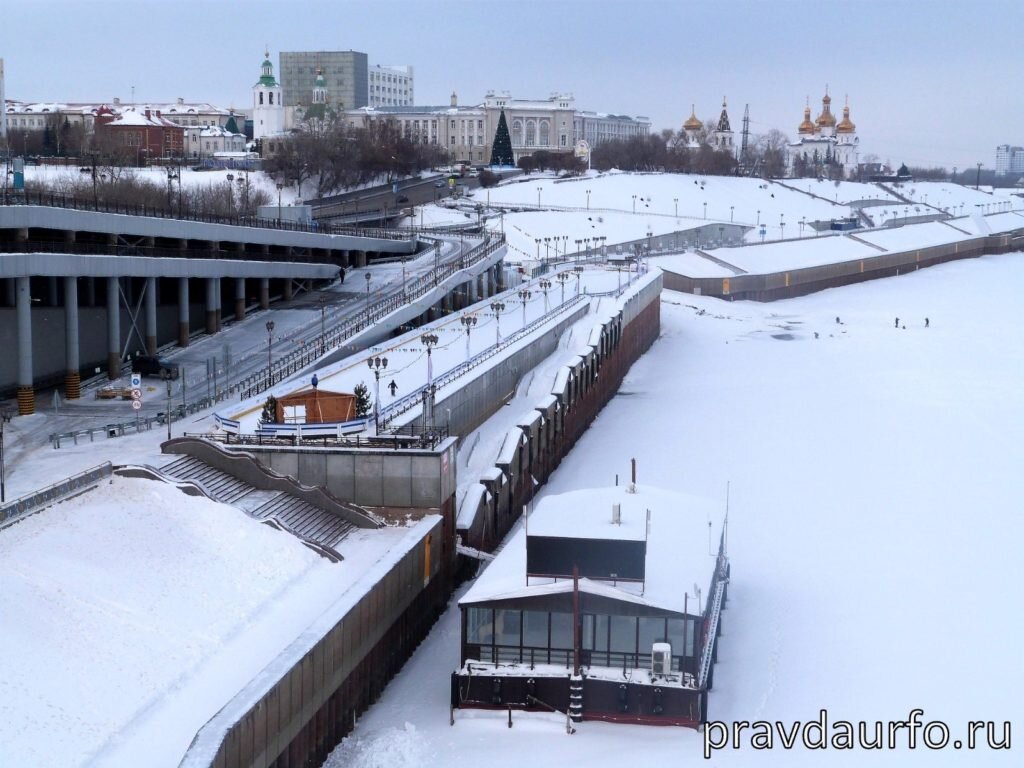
x,y
467,132
825,141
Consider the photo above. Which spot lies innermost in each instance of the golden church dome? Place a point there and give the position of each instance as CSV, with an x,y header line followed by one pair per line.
x,y
806,126
826,119
846,125
692,124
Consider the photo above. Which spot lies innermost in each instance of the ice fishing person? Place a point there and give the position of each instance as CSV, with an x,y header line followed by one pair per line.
x,y
897,322
926,322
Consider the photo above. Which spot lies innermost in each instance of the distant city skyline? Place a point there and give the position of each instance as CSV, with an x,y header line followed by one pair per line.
x,y
928,83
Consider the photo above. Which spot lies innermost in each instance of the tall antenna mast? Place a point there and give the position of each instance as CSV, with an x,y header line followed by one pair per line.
x,y
746,137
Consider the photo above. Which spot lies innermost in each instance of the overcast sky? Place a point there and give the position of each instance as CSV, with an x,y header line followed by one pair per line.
x,y
930,82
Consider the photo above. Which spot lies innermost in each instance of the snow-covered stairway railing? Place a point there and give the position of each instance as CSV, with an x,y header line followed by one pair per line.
x,y
20,508
712,633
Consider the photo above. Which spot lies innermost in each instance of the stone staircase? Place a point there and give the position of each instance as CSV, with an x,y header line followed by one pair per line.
x,y
291,513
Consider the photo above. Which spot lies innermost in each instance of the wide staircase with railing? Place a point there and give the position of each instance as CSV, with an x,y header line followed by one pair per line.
x,y
288,512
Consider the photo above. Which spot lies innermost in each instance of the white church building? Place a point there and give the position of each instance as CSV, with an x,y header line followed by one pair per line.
x,y
825,141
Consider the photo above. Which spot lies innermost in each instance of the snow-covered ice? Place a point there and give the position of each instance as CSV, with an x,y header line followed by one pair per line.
x,y
873,528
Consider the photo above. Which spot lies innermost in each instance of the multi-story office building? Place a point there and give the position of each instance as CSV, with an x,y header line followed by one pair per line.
x,y
390,86
345,73
1009,159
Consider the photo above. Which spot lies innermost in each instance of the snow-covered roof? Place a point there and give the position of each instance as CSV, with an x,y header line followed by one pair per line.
x,y
677,546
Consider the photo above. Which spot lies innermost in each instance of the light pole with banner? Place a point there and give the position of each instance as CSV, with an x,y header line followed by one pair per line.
x,y
498,307
376,364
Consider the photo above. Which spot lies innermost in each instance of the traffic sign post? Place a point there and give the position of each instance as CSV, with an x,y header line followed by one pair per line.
x,y
137,405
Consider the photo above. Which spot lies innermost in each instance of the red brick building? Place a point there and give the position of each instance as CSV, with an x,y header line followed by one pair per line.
x,y
146,135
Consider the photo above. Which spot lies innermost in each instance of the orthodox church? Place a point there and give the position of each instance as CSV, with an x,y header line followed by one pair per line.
x,y
268,112
720,139
825,142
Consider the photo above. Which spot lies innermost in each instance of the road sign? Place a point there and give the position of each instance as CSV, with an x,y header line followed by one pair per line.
x,y
136,394
137,404
136,380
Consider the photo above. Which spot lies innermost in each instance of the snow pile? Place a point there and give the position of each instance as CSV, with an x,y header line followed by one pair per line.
x,y
114,598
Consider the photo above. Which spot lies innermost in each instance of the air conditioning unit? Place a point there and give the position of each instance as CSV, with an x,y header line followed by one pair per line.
x,y
661,659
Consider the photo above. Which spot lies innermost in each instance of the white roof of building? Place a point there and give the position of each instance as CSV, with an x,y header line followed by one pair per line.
x,y
677,546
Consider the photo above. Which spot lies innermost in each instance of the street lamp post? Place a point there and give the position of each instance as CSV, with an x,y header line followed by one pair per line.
x,y
368,276
168,409
537,241
705,210
377,364
578,243
578,270
437,261
270,351
429,341
322,301
403,277
675,201
524,296
538,197
498,307
544,285
731,209
547,250
562,277
803,220
468,321
634,203
280,186
588,199
3,469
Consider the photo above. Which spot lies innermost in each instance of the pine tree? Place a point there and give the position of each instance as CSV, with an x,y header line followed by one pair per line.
x,y
501,152
269,414
362,400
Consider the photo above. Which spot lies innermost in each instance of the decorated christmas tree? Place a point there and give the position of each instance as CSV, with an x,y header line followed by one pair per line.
x,y
501,153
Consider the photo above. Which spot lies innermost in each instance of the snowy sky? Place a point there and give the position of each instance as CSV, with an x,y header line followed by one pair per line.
x,y
927,80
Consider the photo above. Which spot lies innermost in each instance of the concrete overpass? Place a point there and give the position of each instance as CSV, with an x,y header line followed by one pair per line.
x,y
113,281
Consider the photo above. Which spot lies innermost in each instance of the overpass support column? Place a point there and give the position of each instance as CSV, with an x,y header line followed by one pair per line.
x,y
264,293
11,292
211,305
113,328
53,296
499,276
287,289
90,291
183,322
72,378
26,394
220,305
150,315
239,298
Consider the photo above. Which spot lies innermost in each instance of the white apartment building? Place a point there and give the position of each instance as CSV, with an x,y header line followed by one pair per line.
x,y
390,86
1009,159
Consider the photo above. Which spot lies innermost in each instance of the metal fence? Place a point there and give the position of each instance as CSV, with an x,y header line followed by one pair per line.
x,y
51,200
137,424
299,359
20,508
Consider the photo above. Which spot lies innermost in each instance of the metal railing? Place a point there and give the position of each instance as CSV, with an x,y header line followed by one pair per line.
x,y
137,424
420,439
51,200
299,359
20,508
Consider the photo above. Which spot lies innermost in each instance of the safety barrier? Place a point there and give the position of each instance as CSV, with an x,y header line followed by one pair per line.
x,y
20,508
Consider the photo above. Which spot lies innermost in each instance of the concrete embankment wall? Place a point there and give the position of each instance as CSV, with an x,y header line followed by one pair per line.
x,y
296,716
535,448
799,282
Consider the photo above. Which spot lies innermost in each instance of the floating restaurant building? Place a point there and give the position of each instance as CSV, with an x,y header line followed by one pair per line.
x,y
605,605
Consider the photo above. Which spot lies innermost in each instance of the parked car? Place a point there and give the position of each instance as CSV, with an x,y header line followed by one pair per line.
x,y
438,183
402,199
154,366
